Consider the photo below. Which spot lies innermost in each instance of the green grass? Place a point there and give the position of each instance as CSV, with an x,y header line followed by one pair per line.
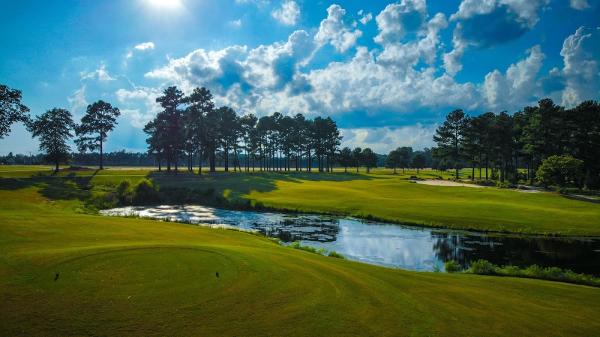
x,y
380,195
126,276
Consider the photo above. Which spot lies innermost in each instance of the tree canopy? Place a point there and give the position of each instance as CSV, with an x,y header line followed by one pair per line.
x,y
11,109
54,128
100,118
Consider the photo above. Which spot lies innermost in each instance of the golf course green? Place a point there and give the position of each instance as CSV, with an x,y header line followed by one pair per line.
x,y
66,272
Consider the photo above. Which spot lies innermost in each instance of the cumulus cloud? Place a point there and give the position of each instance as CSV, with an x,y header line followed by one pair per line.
x,y
424,47
333,30
398,19
385,139
131,100
288,14
518,87
483,24
581,70
579,4
239,74
524,11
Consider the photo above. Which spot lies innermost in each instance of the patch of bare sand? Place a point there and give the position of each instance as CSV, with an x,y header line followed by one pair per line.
x,y
449,183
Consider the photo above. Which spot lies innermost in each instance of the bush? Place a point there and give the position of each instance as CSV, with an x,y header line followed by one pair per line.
x,y
561,171
483,267
452,266
145,192
124,192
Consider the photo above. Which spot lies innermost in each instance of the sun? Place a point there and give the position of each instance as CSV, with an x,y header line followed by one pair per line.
x,y
165,4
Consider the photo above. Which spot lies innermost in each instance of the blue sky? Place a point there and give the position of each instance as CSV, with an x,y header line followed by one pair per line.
x,y
387,72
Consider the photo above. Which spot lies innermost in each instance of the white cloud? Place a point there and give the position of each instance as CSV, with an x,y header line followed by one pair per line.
x,y
581,70
452,62
580,4
100,74
333,30
504,20
236,23
424,47
132,99
384,139
288,14
77,101
145,46
269,78
518,87
364,19
400,18
525,10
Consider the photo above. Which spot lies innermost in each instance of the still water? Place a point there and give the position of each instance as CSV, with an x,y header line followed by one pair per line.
x,y
390,245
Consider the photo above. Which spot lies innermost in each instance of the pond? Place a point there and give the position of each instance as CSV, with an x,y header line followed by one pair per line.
x,y
391,245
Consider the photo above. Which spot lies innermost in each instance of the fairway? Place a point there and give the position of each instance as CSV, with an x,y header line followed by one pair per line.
x,y
136,277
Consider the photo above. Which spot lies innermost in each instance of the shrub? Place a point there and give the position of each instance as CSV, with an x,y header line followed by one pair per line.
x,y
145,192
561,171
452,266
483,267
124,192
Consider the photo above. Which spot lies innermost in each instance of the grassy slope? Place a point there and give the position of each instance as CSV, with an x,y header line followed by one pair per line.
x,y
123,276
385,196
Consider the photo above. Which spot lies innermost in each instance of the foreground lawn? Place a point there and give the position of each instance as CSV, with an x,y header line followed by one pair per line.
x,y
65,273
380,195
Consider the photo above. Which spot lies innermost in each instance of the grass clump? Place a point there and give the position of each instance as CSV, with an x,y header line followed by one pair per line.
x,y
452,266
319,251
484,267
335,254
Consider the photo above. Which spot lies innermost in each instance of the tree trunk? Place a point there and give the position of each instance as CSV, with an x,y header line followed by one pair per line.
x,y
56,166
212,160
486,167
101,163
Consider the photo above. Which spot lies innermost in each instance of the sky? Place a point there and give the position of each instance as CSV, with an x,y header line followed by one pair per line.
x,y
387,72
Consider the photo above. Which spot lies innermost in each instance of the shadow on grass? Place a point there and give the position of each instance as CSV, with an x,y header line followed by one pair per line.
x,y
234,185
54,186
229,189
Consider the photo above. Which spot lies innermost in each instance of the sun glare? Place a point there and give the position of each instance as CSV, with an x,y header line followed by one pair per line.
x,y
165,4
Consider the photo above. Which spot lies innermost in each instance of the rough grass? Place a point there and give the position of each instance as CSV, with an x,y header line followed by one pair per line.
x,y
65,273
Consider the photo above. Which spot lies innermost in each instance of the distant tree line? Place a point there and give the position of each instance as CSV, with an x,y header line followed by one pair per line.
x,y
503,143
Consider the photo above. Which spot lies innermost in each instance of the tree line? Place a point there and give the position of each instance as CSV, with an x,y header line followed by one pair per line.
x,y
504,143
192,127
535,143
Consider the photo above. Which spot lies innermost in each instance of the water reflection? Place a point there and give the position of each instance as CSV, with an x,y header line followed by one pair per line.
x,y
391,245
